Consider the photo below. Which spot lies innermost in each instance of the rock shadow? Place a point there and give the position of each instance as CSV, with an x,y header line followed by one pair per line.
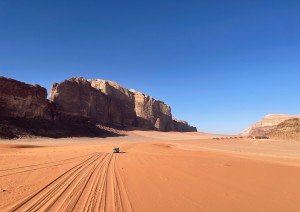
x,y
19,127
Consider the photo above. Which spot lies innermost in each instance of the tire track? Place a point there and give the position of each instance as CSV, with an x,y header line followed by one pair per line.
x,y
94,184
34,202
122,194
22,169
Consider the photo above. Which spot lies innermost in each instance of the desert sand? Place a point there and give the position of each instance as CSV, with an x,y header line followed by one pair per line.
x,y
155,171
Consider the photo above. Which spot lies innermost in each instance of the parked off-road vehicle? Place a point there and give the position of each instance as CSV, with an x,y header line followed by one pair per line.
x,y
116,150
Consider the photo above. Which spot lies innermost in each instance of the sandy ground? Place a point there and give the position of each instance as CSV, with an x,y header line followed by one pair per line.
x,y
155,172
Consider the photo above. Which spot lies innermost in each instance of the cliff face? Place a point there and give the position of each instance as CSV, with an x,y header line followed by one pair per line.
x,y
76,107
152,113
25,111
137,109
265,125
20,100
183,126
121,96
288,129
76,99
108,102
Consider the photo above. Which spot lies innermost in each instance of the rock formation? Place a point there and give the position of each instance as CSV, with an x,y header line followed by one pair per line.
x,y
25,111
138,109
288,129
183,126
21,100
121,96
152,113
107,102
76,108
265,125
76,99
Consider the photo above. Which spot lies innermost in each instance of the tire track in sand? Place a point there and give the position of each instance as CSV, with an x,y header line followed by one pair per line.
x,y
94,184
29,168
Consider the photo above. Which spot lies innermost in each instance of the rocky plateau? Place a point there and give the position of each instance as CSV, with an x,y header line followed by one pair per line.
x,y
77,107
267,124
288,129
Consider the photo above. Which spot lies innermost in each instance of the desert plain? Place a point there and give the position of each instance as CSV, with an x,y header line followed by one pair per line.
x,y
155,171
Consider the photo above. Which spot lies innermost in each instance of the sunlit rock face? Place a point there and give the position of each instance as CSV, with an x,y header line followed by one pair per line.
x,y
119,95
75,108
288,129
108,102
77,99
267,124
152,113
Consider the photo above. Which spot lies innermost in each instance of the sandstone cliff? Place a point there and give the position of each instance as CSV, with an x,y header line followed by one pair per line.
x,y
22,100
152,113
123,98
76,108
137,109
107,102
265,125
25,111
183,126
289,129
76,99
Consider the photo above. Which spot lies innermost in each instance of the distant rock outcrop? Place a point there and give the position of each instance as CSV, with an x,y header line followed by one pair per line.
x,y
265,125
20,100
289,129
183,126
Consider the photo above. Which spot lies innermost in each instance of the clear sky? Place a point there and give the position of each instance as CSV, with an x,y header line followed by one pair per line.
x,y
221,65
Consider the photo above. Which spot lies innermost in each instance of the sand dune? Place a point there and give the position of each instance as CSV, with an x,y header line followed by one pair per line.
x,y
155,172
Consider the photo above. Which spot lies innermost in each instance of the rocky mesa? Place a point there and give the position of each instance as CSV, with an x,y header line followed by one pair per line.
x,y
109,103
76,106
288,129
18,99
26,111
268,123
76,99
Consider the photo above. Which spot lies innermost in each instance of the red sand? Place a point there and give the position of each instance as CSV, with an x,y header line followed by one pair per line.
x,y
155,172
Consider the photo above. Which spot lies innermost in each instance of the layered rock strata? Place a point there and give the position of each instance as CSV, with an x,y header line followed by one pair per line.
x,y
25,109
265,125
107,102
18,99
288,129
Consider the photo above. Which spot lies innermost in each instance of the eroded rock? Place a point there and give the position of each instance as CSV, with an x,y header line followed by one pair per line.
x,y
77,99
267,124
18,99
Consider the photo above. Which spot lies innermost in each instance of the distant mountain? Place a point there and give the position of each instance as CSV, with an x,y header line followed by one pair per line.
x,y
268,123
289,129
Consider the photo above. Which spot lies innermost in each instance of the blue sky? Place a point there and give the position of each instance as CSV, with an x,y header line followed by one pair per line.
x,y
221,65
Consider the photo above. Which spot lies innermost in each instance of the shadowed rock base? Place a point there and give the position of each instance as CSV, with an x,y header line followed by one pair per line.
x,y
77,107
13,128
